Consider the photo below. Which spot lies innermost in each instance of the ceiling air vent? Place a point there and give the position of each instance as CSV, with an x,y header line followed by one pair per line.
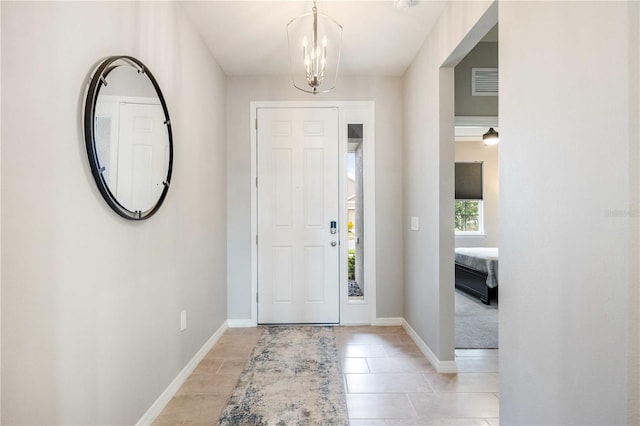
x,y
484,81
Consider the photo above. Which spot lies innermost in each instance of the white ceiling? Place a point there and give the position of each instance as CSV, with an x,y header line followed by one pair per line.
x,y
250,37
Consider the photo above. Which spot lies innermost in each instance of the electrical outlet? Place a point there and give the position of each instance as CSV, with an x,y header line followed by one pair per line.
x,y
183,320
415,223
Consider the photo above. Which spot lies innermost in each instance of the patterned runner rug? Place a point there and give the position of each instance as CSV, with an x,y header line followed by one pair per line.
x,y
292,378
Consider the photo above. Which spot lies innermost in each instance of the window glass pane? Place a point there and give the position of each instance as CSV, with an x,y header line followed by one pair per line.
x,y
355,213
467,216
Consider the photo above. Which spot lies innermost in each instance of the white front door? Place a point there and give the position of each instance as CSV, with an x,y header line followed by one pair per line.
x,y
143,155
298,256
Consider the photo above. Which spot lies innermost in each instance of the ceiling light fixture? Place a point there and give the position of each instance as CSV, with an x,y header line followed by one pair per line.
x,y
491,137
314,49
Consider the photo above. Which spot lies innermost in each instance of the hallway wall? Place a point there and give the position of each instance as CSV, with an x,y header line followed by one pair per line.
x,y
90,301
569,212
483,55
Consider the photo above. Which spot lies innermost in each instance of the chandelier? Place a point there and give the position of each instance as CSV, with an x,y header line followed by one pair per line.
x,y
314,50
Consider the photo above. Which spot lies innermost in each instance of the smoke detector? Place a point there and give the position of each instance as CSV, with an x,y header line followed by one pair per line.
x,y
403,4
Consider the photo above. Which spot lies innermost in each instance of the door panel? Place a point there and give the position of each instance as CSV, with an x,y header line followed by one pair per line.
x,y
314,274
282,188
313,185
298,267
282,279
142,155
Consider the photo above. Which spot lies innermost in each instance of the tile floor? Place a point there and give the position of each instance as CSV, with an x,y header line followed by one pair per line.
x,y
387,379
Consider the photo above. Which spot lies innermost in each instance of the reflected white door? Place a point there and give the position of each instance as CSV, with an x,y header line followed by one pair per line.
x,y
142,155
298,256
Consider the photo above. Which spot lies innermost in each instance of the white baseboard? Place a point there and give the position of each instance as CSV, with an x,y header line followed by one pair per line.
x,y
389,321
240,323
440,366
156,408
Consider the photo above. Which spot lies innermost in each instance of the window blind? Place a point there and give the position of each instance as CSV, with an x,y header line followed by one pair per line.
x,y
469,181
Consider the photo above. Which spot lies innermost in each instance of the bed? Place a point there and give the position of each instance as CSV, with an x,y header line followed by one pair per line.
x,y
477,272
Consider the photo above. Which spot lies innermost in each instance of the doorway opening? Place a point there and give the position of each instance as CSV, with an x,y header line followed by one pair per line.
x,y
476,198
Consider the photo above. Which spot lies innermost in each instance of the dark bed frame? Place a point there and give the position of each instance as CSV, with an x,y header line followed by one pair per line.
x,y
474,283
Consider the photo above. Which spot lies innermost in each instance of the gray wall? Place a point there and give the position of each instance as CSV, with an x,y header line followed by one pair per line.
x,y
387,94
90,301
483,55
569,212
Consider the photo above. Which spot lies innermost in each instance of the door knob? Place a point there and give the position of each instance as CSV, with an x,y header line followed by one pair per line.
x,y
333,243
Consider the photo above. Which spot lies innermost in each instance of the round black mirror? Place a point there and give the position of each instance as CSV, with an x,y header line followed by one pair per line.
x,y
128,137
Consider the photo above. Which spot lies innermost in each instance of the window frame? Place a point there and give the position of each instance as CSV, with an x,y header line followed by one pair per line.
x,y
470,234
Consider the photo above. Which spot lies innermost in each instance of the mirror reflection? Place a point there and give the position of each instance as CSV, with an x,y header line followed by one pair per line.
x,y
130,152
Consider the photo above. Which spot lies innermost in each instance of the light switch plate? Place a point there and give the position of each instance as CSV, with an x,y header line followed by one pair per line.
x,y
415,223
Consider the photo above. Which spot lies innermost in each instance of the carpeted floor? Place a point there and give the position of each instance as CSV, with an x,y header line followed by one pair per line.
x,y
476,323
292,378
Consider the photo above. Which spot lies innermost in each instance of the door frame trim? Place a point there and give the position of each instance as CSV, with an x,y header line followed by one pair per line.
x,y
350,313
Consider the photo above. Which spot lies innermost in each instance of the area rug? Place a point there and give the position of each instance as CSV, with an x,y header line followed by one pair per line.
x,y
476,323
292,378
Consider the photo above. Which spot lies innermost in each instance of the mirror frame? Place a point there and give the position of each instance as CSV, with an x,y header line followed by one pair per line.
x,y
98,80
